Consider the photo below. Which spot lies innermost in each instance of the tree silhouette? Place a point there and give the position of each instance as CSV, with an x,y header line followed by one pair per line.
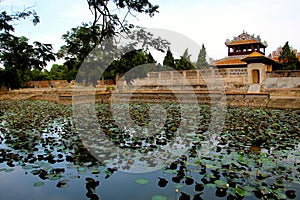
x,y
201,61
169,59
17,55
287,58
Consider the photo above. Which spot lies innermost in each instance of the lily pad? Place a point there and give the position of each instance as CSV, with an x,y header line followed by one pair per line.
x,y
178,186
210,185
159,197
240,191
95,171
9,170
222,183
38,184
141,181
170,171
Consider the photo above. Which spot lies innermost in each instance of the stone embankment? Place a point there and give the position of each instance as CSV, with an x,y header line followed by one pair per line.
x,y
285,99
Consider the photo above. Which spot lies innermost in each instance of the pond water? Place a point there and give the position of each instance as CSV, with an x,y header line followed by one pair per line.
x,y
44,155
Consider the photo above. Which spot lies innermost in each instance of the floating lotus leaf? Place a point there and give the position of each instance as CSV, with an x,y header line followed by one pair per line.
x,y
35,172
159,197
221,183
210,185
141,181
38,184
240,191
95,171
9,170
178,186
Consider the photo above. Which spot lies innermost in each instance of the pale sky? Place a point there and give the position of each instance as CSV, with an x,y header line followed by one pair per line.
x,y
205,21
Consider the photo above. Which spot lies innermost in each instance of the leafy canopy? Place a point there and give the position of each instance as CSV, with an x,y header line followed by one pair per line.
x,y
17,55
287,58
201,61
169,59
108,14
100,39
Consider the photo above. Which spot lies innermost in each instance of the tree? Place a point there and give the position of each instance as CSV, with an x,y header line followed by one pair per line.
x,y
201,61
80,41
186,55
79,49
150,58
60,72
129,62
16,54
109,22
287,58
107,12
183,64
169,59
39,75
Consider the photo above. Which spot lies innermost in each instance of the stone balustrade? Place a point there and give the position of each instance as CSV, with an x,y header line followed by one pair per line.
x,y
195,77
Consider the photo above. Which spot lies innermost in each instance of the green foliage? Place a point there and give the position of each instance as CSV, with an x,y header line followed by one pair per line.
x,y
183,64
287,58
38,75
17,56
186,55
80,41
93,44
128,62
61,72
84,47
108,13
169,59
10,78
6,19
201,61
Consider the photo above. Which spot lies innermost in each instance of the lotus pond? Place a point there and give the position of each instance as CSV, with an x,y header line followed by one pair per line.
x,y
42,156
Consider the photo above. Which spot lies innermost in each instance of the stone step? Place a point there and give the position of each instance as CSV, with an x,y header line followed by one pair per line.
x,y
254,88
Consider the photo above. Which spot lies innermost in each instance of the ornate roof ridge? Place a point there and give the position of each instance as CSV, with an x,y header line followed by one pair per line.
x,y
244,37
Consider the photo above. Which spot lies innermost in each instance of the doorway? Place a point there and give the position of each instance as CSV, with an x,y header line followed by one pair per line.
x,y
255,76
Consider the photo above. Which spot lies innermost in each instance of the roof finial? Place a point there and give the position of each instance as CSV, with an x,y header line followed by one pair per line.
x,y
243,31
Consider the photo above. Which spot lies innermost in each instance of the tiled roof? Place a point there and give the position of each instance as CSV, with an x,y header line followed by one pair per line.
x,y
230,61
258,56
255,54
238,42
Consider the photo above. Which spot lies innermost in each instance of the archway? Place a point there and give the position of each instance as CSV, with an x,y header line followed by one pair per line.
x,y
255,76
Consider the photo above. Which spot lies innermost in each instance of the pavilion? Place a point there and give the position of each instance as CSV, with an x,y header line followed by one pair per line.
x,y
247,51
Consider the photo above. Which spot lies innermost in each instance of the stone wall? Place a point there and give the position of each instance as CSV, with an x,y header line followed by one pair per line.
x,y
284,73
281,83
47,84
231,78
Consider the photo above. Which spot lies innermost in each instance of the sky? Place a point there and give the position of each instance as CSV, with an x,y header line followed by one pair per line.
x,y
208,22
